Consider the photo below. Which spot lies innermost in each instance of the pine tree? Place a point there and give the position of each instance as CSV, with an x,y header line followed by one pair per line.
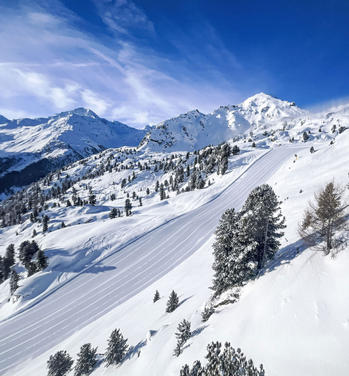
x,y
156,296
41,260
128,207
183,334
86,361
207,313
324,218
45,220
222,248
8,260
162,192
59,364
172,302
113,213
265,223
14,278
92,199
26,252
236,150
117,348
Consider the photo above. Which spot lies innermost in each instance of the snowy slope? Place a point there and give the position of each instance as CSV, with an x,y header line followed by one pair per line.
x,y
100,288
28,145
293,318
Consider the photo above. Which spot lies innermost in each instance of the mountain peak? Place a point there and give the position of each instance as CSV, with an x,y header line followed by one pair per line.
x,y
3,119
80,111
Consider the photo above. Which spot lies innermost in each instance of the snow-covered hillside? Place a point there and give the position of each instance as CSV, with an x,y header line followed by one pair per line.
x,y
103,271
30,148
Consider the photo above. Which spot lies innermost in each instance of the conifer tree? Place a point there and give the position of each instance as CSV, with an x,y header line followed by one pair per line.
x,y
117,347
162,192
14,278
265,223
59,364
183,334
172,302
41,262
323,218
156,296
236,150
86,361
128,207
222,248
113,213
45,220
8,260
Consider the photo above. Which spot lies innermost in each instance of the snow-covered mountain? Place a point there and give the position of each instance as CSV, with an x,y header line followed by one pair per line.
x,y
195,130
30,148
103,268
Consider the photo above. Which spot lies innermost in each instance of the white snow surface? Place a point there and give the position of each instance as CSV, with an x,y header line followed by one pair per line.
x,y
294,318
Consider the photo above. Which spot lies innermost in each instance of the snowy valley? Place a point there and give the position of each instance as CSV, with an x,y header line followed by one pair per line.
x,y
136,210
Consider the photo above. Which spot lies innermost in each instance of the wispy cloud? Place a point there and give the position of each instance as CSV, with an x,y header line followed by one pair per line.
x,y
49,64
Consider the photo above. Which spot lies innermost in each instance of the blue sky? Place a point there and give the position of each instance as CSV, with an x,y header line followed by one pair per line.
x,y
141,62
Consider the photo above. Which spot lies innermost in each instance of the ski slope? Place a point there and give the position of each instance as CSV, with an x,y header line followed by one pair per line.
x,y
105,285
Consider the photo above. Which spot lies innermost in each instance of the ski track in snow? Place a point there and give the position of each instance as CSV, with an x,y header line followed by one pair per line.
x,y
133,267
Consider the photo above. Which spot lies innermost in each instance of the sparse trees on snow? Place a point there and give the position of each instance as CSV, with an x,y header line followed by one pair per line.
x,y
59,364
117,347
226,362
323,218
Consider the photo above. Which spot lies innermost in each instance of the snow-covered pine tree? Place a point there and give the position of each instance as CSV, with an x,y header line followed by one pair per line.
x,y
236,150
59,364
8,260
14,278
265,223
45,220
41,260
162,192
117,347
183,334
222,247
128,207
207,313
86,361
172,302
113,213
156,296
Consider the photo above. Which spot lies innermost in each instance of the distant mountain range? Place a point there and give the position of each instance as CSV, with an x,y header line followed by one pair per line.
x,y
30,148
